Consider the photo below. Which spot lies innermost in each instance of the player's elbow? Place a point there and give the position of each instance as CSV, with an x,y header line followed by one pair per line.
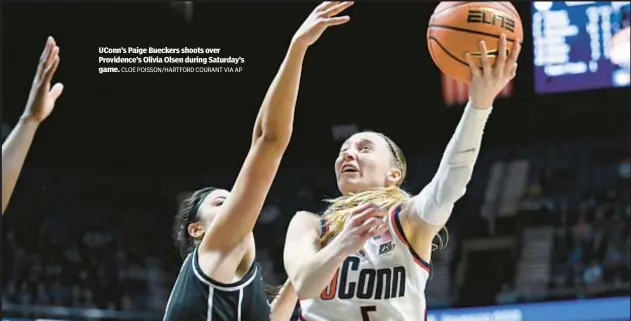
x,y
274,139
274,132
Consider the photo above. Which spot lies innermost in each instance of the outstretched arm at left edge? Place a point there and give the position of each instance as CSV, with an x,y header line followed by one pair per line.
x,y
426,213
284,304
14,151
40,104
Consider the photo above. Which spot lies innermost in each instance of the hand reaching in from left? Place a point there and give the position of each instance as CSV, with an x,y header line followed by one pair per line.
x,y
39,105
322,17
42,98
487,82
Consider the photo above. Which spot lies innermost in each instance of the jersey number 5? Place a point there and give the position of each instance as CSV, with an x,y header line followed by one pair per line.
x,y
366,310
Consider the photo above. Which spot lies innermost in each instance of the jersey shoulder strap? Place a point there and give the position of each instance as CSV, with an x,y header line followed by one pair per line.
x,y
394,220
226,287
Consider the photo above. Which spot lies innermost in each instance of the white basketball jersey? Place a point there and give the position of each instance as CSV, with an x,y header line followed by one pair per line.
x,y
384,282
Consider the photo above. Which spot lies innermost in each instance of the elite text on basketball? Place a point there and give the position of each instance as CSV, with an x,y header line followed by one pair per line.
x,y
491,18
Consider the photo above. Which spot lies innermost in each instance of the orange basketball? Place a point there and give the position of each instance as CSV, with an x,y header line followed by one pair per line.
x,y
457,27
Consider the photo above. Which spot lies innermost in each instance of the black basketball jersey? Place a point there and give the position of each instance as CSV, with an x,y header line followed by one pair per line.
x,y
196,297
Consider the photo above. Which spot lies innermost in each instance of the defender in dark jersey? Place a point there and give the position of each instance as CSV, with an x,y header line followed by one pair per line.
x,y
220,279
201,298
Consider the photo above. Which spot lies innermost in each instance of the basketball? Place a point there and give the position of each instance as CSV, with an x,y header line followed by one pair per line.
x,y
457,27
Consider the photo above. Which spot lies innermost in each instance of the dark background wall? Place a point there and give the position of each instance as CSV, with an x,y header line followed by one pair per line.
x,y
375,71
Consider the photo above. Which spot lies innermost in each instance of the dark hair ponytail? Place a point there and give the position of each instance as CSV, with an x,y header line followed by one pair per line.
x,y
186,215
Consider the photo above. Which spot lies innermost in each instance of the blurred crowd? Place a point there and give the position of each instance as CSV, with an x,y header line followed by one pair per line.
x,y
85,240
93,273
592,243
582,191
89,241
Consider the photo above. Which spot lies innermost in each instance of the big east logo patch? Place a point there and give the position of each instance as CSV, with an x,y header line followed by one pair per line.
x,y
384,241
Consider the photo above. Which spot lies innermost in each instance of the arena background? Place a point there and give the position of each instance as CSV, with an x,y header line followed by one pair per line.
x,y
87,233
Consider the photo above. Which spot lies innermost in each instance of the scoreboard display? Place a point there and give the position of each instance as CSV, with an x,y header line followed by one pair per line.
x,y
580,45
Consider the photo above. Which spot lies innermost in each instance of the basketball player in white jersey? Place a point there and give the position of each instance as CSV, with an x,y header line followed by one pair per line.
x,y
367,258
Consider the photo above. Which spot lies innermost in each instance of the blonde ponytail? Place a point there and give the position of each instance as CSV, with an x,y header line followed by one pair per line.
x,y
386,198
340,207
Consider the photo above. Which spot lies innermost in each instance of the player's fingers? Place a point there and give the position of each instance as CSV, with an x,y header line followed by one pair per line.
x,y
336,21
514,52
50,44
500,61
334,10
53,42
358,218
373,222
475,71
513,71
377,230
51,54
325,5
362,208
367,215
50,72
50,62
51,59
484,57
56,91
372,232
42,59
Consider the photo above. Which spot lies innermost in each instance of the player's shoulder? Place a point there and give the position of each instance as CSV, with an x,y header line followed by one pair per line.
x,y
308,214
305,219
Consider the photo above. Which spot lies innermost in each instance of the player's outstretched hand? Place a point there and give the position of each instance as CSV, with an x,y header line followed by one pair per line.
x,y
487,82
41,99
322,17
363,223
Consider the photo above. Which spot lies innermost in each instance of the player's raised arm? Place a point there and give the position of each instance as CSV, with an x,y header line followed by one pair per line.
x,y
272,133
284,304
41,101
428,212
